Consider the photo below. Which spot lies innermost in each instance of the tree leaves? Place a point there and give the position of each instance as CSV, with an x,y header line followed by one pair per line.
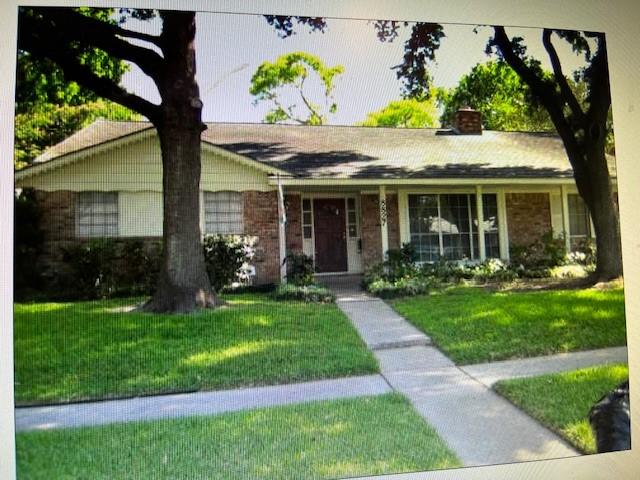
x,y
405,113
292,70
495,89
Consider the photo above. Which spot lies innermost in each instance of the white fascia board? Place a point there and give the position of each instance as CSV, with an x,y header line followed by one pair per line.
x,y
72,157
422,181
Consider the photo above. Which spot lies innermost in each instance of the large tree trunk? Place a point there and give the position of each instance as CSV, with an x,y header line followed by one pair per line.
x,y
183,284
599,198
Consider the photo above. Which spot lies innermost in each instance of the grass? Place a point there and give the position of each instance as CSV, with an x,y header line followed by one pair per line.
x,y
363,436
89,350
562,401
473,325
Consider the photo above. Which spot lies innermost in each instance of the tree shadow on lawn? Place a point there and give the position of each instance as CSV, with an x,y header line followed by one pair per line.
x,y
84,351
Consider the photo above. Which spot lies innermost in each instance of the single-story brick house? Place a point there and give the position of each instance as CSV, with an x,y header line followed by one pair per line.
x,y
343,195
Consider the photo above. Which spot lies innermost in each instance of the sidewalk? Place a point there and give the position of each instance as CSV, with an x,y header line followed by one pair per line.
x,y
200,403
480,426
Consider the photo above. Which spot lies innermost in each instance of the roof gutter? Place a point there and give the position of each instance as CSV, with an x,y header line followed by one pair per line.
x,y
421,181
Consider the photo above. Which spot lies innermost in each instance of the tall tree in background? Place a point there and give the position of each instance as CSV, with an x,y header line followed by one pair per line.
x,y
505,101
282,81
582,127
62,35
405,113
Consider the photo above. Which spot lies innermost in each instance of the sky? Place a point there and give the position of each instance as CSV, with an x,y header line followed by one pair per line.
x,y
230,47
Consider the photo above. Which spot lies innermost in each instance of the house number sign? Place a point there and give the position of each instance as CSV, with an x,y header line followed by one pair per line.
x,y
383,212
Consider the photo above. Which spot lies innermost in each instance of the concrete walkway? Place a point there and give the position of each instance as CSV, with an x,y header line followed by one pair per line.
x,y
490,373
200,403
481,427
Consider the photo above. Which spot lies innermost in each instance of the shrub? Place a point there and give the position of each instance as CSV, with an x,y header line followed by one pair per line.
x,y
584,253
91,268
546,252
402,287
305,293
137,267
299,269
27,242
400,263
226,258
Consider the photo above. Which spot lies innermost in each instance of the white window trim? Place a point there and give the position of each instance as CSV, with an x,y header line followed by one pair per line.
x,y
403,205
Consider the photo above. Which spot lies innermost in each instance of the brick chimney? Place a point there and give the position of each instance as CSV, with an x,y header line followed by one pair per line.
x,y
467,121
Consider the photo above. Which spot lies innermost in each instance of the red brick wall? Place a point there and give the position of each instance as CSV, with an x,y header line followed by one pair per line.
x,y
58,225
393,221
528,217
371,231
293,205
261,220
370,226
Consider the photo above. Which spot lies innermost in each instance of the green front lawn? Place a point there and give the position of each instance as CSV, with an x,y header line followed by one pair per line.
x,y
473,325
562,401
90,350
363,436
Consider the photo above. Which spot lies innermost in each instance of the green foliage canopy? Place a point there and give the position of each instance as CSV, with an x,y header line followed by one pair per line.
x,y
405,113
40,81
292,70
496,90
49,124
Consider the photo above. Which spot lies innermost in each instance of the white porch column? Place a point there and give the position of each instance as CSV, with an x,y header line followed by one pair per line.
x,y
384,231
282,221
565,217
480,216
503,227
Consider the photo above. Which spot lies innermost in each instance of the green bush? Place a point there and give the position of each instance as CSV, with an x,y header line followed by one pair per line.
x,y
402,287
546,252
400,263
27,243
138,267
305,293
92,271
584,253
226,258
300,269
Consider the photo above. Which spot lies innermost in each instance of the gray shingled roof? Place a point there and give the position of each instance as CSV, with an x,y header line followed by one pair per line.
x,y
365,152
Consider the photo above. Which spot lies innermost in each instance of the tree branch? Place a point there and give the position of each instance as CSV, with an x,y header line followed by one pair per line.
x,y
82,74
64,27
565,90
545,92
600,93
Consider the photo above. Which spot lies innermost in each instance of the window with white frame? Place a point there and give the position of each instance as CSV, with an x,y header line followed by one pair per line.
x,y
97,214
307,218
579,220
223,213
445,226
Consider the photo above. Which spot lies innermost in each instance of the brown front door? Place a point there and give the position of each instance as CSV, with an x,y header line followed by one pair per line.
x,y
330,235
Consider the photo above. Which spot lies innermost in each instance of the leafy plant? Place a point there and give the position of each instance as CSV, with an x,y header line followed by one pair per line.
x,y
546,252
27,242
92,272
402,287
299,269
305,293
226,259
138,267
